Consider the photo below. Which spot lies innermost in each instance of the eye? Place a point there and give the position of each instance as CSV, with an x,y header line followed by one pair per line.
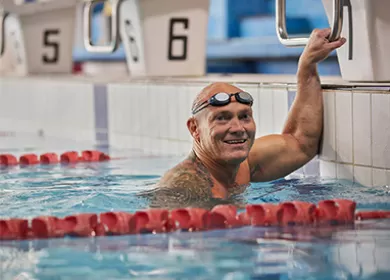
x,y
223,117
245,116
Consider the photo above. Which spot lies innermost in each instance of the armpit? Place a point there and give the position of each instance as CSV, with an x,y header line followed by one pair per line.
x,y
255,171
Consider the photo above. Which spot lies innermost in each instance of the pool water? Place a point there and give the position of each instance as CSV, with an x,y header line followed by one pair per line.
x,y
361,251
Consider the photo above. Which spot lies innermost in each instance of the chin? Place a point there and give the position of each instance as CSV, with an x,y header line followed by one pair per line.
x,y
236,158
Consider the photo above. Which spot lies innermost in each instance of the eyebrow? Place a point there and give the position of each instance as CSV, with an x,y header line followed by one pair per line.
x,y
246,110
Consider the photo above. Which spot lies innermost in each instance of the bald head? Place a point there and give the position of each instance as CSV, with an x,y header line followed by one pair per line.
x,y
214,128
212,89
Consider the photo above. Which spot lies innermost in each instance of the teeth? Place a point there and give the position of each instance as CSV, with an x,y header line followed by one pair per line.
x,y
235,141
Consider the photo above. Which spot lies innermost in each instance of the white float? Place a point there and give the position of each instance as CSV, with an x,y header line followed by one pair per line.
x,y
366,26
160,37
44,34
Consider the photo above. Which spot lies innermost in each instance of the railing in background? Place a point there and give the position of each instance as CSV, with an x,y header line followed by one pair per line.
x,y
87,27
281,29
3,16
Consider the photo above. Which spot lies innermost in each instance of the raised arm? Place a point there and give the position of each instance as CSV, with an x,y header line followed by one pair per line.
x,y
275,156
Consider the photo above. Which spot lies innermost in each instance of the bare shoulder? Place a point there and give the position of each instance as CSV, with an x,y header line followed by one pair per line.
x,y
190,173
188,184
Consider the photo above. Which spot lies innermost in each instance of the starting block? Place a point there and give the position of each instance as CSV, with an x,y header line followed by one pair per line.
x,y
38,36
160,37
366,26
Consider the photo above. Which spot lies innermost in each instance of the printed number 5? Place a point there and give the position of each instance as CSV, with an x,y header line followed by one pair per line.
x,y
49,43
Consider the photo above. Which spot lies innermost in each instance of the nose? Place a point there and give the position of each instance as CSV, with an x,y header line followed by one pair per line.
x,y
236,126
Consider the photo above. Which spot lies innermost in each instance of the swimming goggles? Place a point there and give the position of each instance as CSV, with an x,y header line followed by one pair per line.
x,y
223,98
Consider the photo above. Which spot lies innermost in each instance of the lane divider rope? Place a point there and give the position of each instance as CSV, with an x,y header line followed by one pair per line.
x,y
71,157
286,214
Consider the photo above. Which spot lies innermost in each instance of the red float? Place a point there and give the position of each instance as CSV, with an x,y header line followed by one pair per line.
x,y
28,159
336,211
49,158
8,160
69,157
297,213
189,219
13,229
116,223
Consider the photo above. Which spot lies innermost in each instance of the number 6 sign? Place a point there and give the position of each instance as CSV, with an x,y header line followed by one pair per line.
x,y
48,33
161,37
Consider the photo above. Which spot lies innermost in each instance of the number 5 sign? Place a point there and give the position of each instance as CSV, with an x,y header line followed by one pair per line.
x,y
162,37
48,33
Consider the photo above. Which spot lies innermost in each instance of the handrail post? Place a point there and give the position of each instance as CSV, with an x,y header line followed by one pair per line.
x,y
87,27
281,29
3,16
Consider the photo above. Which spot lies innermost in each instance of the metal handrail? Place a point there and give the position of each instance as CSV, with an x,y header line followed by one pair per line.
x,y
281,29
3,16
87,27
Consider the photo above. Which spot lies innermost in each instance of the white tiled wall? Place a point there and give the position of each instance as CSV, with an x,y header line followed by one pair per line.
x,y
61,112
349,143
328,145
266,121
344,132
362,129
280,109
380,177
123,108
363,175
328,169
361,137
381,130
344,171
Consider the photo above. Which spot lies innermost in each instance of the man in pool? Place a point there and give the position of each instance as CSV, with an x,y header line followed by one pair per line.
x,y
226,157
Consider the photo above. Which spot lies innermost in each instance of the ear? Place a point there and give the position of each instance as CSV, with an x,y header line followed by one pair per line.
x,y
193,128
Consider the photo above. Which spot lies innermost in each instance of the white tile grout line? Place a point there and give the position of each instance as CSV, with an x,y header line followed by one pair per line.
x,y
353,138
358,165
335,130
272,110
371,135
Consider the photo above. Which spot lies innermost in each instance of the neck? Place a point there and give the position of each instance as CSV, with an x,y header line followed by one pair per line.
x,y
224,173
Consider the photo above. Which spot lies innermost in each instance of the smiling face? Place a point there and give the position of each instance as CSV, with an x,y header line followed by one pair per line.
x,y
225,133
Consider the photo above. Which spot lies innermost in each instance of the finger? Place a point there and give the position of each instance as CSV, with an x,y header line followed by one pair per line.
x,y
336,44
324,32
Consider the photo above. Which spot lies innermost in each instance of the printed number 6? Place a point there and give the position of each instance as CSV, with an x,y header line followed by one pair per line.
x,y
173,37
48,43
